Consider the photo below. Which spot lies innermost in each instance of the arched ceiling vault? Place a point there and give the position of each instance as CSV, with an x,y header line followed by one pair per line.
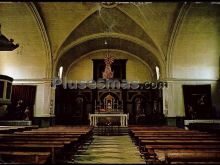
x,y
113,43
184,8
35,13
153,75
148,27
110,23
148,47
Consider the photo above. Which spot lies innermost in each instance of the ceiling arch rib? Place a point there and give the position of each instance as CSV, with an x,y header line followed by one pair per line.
x,y
152,72
152,41
113,43
175,30
31,6
107,20
149,47
86,16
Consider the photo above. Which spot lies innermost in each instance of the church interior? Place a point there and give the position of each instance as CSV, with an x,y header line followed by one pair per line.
x,y
110,82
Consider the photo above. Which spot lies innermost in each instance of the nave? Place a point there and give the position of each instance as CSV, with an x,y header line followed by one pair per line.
x,y
80,145
110,149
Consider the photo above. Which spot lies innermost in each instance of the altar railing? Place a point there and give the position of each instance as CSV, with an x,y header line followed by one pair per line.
x,y
93,118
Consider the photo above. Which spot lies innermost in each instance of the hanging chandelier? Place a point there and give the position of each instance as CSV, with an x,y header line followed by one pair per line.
x,y
109,59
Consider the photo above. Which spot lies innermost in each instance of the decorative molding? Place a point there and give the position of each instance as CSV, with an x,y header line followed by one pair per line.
x,y
175,31
108,4
182,79
43,115
31,81
44,35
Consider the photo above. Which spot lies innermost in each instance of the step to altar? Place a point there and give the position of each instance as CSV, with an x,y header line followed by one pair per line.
x,y
110,130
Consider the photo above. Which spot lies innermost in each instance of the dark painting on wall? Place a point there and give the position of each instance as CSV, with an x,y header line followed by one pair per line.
x,y
197,101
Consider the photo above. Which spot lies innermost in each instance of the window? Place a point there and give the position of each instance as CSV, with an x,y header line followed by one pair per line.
x,y
158,72
60,72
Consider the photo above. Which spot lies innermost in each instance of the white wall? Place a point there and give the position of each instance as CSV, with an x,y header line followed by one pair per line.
x,y
26,64
195,58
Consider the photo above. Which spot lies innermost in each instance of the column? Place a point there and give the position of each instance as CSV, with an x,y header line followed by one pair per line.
x,y
123,124
92,120
121,120
95,120
126,120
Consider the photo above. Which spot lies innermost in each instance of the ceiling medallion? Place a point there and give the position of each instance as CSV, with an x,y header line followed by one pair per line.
x,y
109,4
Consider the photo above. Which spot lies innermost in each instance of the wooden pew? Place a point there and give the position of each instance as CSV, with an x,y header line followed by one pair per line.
x,y
172,144
38,147
134,134
52,140
22,143
150,149
179,138
11,129
174,135
189,156
28,157
176,142
48,136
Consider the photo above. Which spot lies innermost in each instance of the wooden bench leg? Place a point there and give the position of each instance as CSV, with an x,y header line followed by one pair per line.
x,y
36,159
52,155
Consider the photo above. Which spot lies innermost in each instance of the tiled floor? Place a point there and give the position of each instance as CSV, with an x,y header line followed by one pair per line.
x,y
110,149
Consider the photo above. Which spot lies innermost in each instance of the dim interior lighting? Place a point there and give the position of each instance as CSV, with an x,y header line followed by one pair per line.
x,y
60,72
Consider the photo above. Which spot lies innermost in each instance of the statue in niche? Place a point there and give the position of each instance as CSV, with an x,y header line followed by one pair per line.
x,y
79,106
191,112
108,73
155,108
139,108
109,102
201,101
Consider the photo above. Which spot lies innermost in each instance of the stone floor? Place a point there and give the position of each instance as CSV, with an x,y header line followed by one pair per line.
x,y
110,150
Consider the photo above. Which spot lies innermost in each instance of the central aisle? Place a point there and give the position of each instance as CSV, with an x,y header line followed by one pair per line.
x,y
110,149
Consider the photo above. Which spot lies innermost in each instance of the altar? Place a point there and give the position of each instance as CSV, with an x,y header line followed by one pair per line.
x,y
108,109
94,118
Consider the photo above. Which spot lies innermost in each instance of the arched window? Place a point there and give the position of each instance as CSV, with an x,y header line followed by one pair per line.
x,y
60,72
158,72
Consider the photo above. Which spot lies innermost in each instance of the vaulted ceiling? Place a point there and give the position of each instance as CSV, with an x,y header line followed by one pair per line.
x,y
70,30
75,29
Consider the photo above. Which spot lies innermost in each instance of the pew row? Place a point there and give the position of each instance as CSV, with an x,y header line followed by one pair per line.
x,y
176,146
55,142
